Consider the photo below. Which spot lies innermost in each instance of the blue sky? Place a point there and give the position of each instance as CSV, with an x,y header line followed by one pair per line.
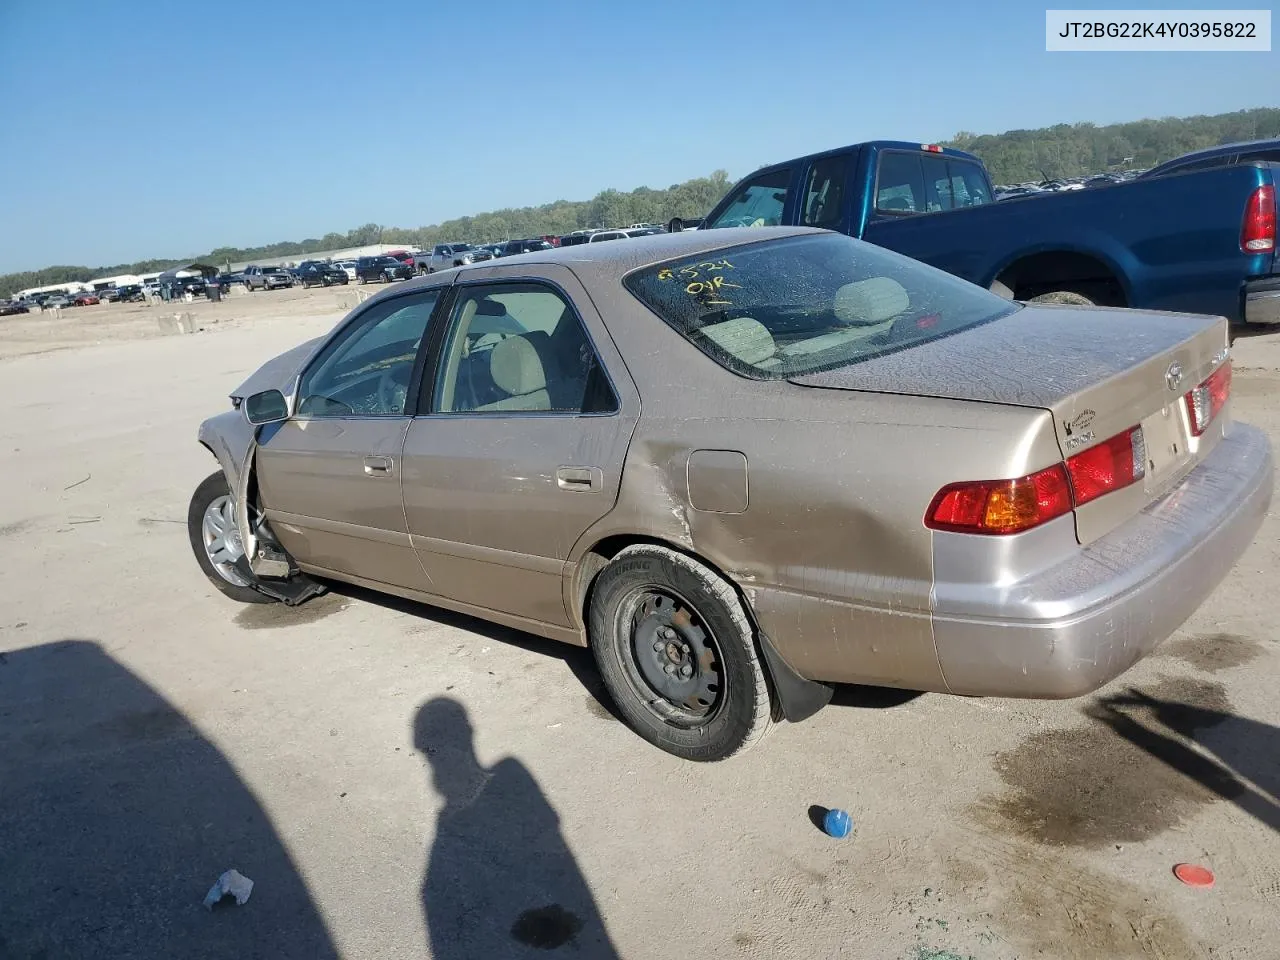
x,y
141,129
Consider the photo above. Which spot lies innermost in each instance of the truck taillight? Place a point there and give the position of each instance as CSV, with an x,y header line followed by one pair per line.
x,y
1001,507
1258,234
931,147
1207,400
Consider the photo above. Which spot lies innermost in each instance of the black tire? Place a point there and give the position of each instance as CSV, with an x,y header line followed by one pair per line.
x,y
710,633
210,489
1064,296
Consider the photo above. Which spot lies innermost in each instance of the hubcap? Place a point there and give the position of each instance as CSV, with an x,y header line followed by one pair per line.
x,y
222,540
676,657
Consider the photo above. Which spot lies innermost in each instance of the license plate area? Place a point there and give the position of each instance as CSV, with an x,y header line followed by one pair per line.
x,y
1168,448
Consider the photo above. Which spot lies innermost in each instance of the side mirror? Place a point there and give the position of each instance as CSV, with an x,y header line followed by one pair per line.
x,y
269,406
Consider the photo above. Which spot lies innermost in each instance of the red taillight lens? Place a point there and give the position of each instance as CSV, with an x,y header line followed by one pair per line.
x,y
1258,234
1207,400
1111,465
1001,506
1011,506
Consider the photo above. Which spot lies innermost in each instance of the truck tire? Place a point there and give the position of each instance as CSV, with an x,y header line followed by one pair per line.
x,y
1064,296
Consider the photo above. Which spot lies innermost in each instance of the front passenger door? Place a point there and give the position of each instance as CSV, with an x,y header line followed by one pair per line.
x,y
329,476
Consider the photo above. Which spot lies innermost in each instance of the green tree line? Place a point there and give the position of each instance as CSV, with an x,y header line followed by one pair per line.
x,y
1078,149
1064,150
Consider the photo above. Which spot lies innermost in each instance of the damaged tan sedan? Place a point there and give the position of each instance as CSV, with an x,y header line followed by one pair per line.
x,y
744,465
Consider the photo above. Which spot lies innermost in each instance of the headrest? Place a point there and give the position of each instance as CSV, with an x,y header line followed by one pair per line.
x,y
490,308
870,301
516,367
743,338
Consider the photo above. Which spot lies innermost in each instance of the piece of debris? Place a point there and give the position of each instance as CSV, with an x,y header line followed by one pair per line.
x,y
85,520
78,482
1194,875
232,883
837,824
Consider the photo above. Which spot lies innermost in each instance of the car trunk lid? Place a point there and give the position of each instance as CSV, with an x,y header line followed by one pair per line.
x,y
1098,371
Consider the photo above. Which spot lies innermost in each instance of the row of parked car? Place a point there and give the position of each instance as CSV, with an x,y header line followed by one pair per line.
x,y
403,264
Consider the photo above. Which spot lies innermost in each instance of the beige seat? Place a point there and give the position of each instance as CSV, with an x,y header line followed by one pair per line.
x,y
744,339
866,307
517,370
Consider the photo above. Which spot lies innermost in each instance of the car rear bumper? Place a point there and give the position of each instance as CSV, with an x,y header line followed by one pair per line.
x,y
1262,301
1079,624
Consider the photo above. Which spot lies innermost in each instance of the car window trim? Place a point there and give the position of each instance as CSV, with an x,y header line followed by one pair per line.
x,y
343,331
431,370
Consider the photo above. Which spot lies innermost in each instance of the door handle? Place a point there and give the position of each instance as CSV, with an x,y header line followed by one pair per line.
x,y
377,466
582,479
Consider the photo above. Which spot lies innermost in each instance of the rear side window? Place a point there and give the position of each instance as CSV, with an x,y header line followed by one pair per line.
x,y
757,203
824,193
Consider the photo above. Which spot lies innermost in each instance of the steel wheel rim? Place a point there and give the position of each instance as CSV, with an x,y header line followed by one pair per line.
x,y
221,539
675,665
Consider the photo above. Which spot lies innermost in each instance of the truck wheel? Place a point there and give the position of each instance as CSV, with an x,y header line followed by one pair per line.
x,y
1064,296
678,655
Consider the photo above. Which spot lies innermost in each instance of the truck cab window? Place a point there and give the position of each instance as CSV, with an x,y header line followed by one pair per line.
x,y
824,193
900,183
758,203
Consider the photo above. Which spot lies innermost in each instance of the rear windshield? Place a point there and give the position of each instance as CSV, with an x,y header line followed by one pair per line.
x,y
796,305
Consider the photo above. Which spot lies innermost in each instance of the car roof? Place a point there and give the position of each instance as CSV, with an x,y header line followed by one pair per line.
x,y
850,148
1222,150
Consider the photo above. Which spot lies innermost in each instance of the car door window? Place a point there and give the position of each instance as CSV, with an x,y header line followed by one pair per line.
x,y
900,184
824,193
366,371
519,347
758,202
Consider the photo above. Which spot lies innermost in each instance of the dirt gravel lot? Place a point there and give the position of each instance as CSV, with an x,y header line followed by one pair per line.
x,y
382,771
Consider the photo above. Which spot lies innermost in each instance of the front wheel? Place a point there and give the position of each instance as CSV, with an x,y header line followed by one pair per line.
x,y
215,540
678,655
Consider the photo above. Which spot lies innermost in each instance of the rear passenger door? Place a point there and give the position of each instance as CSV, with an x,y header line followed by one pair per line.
x,y
518,444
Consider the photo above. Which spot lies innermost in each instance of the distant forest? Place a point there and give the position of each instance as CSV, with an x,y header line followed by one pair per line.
x,y
1016,156
1077,149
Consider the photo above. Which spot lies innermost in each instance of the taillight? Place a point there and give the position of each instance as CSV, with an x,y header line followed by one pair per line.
x,y
1207,400
1001,506
1111,465
1012,506
1258,234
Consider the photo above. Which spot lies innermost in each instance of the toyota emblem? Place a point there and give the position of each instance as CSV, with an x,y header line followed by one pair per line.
x,y
1173,376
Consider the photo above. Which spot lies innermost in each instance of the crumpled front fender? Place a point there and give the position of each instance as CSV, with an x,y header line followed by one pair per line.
x,y
229,437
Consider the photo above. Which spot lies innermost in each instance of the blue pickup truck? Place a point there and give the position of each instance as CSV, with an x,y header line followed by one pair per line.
x,y
1197,242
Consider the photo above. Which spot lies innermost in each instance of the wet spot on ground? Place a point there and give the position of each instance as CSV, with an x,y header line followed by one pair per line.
x,y
1123,777
15,528
1212,652
546,928
271,616
597,709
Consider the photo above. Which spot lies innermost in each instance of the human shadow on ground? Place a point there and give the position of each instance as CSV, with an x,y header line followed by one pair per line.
x,y
116,818
1239,762
500,879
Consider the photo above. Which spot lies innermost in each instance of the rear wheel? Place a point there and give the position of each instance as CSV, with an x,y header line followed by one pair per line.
x,y
677,652
215,540
1064,296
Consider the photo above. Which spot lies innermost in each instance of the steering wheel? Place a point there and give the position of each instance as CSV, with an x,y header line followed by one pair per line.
x,y
393,388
